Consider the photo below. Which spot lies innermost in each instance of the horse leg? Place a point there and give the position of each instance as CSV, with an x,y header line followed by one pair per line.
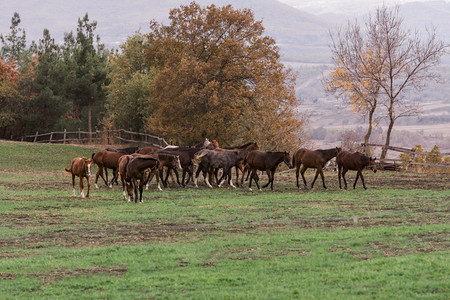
x,y
135,189
362,179
122,179
206,177
100,173
302,172
269,175
315,177
323,178
339,175
358,174
88,179
141,190
250,181
81,187
230,178
176,175
297,171
161,175
273,177
73,185
197,172
344,171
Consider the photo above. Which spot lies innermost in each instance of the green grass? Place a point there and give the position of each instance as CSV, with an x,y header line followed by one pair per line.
x,y
391,241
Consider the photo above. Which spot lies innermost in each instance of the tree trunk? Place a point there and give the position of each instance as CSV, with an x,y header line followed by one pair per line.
x,y
90,120
388,138
369,130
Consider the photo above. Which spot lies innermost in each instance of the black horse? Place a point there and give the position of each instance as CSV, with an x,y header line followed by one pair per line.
x,y
210,160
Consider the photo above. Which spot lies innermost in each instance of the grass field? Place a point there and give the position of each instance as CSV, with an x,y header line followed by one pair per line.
x,y
391,241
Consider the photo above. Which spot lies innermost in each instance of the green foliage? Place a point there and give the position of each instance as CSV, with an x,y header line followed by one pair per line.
x,y
128,104
389,242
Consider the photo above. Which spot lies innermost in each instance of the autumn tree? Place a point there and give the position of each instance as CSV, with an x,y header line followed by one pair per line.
x,y
10,98
128,91
218,76
399,62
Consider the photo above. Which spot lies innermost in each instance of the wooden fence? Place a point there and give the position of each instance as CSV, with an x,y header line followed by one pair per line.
x,y
396,163
116,136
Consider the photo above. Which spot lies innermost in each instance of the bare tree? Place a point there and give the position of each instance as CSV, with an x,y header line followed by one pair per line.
x,y
387,61
351,78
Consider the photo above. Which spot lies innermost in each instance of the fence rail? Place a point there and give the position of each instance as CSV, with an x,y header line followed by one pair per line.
x,y
115,136
395,163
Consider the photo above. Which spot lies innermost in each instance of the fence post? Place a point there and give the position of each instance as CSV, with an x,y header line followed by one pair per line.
x,y
79,135
107,136
411,166
51,137
64,138
35,137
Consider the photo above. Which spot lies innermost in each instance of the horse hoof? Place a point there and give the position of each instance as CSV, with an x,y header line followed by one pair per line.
x,y
250,189
96,186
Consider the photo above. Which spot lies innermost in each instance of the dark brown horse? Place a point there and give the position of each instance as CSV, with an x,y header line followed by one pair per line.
x,y
169,160
127,188
356,162
106,159
80,167
136,171
265,161
313,159
239,164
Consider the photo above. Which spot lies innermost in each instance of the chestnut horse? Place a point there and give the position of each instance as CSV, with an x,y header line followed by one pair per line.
x,y
265,161
106,159
356,162
80,167
313,159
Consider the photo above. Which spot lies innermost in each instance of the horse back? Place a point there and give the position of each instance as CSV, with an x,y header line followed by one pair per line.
x,y
352,161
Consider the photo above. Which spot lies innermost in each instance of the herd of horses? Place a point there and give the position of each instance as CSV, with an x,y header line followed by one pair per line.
x,y
137,166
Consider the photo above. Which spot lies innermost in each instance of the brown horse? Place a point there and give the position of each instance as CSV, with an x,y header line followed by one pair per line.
x,y
147,150
106,159
136,171
356,162
80,167
265,161
312,159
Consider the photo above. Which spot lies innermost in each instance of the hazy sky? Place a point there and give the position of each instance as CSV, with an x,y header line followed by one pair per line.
x,y
344,6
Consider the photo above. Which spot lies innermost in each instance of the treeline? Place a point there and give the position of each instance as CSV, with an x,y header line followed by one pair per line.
x,y
210,73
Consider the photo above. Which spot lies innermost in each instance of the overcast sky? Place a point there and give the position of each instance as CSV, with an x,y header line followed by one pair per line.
x,y
344,6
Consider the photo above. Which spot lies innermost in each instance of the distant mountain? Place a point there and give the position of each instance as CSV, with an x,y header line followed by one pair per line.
x,y
302,37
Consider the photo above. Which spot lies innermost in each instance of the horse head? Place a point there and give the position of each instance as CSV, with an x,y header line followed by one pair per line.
x,y
287,160
87,165
372,164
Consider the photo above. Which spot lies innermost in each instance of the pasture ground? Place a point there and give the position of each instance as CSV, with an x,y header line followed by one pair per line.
x,y
391,241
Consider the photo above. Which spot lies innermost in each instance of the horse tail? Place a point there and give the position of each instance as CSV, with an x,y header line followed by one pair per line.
x,y
69,170
293,160
92,156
